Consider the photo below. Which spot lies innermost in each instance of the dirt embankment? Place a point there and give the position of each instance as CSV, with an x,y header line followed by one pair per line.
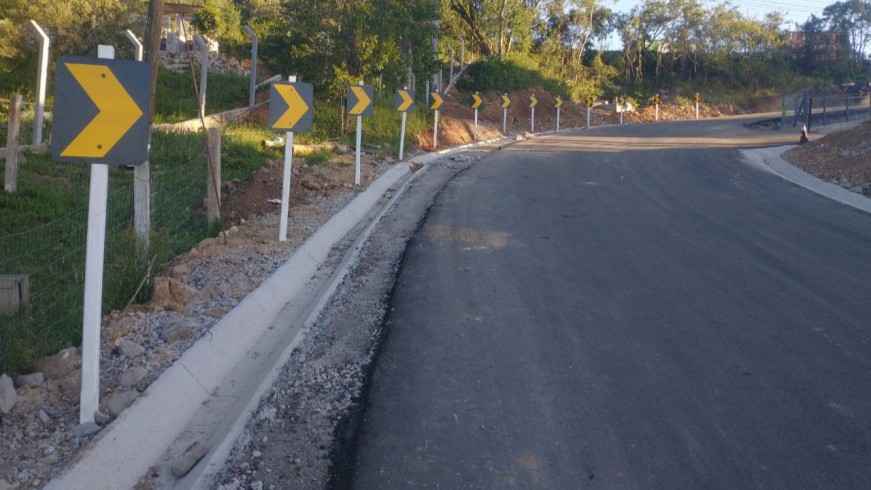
x,y
841,157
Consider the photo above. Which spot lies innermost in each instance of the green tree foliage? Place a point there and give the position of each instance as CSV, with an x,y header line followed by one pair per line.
x,y
219,20
74,26
335,42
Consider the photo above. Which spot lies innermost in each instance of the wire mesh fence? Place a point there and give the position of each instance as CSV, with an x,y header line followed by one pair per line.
x,y
43,231
27,130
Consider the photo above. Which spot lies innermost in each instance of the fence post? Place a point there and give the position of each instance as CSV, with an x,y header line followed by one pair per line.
x,y
253,84
141,181
213,194
204,72
42,74
10,184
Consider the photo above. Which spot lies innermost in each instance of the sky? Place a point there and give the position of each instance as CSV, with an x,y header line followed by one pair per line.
x,y
794,11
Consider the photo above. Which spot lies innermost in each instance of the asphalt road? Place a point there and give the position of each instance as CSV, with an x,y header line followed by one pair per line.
x,y
628,307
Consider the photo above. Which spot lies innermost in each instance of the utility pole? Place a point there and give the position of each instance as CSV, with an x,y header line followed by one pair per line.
x,y
152,42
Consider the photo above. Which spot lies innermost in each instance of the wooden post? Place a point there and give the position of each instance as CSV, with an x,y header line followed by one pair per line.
x,y
213,194
10,184
14,293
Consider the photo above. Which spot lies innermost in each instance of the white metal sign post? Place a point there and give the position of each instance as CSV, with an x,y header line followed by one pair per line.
x,y
290,110
506,103
532,103
359,145
436,99
285,183
118,133
477,102
589,107
360,100
559,103
403,102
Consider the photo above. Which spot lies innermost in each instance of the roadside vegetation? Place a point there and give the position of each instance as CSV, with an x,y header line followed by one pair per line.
x,y
674,47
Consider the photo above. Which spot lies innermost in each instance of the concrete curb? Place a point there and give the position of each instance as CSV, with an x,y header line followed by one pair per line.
x,y
770,159
125,450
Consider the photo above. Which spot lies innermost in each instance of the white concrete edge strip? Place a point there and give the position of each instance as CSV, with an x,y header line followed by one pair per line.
x,y
770,159
218,455
126,449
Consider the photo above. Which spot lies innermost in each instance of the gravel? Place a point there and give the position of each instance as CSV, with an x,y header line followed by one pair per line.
x,y
302,433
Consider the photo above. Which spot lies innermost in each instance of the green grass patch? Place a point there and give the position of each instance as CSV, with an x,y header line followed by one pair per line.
x,y
43,230
319,157
176,99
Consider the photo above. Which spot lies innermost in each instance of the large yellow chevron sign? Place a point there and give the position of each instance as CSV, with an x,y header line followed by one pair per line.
x,y
101,111
290,107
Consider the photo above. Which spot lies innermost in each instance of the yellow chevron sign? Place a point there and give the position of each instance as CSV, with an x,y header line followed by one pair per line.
x,y
476,101
588,102
118,91
436,99
360,100
506,101
532,101
290,107
558,103
404,100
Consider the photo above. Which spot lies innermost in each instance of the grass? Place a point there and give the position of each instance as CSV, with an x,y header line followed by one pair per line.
x,y
43,228
176,98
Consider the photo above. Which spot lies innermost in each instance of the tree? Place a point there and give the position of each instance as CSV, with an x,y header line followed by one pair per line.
x,y
75,27
219,20
852,19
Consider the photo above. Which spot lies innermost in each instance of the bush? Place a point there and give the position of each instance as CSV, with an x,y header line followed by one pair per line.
x,y
505,76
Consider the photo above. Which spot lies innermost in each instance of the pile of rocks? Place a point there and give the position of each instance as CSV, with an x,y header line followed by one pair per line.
x,y
218,63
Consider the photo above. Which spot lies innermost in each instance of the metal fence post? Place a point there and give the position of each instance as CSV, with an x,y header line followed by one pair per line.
x,y
213,192
42,74
141,183
10,182
204,72
253,64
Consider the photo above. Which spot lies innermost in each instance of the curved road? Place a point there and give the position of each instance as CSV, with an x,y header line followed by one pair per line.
x,y
627,307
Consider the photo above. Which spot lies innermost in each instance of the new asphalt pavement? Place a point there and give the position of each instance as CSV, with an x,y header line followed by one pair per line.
x,y
626,308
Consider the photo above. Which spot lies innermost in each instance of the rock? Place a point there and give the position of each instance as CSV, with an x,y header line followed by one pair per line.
x,y
130,348
34,380
8,397
192,455
101,418
173,332
857,189
118,402
257,485
69,387
311,184
172,294
181,270
340,149
843,182
5,485
61,364
43,417
86,430
132,376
